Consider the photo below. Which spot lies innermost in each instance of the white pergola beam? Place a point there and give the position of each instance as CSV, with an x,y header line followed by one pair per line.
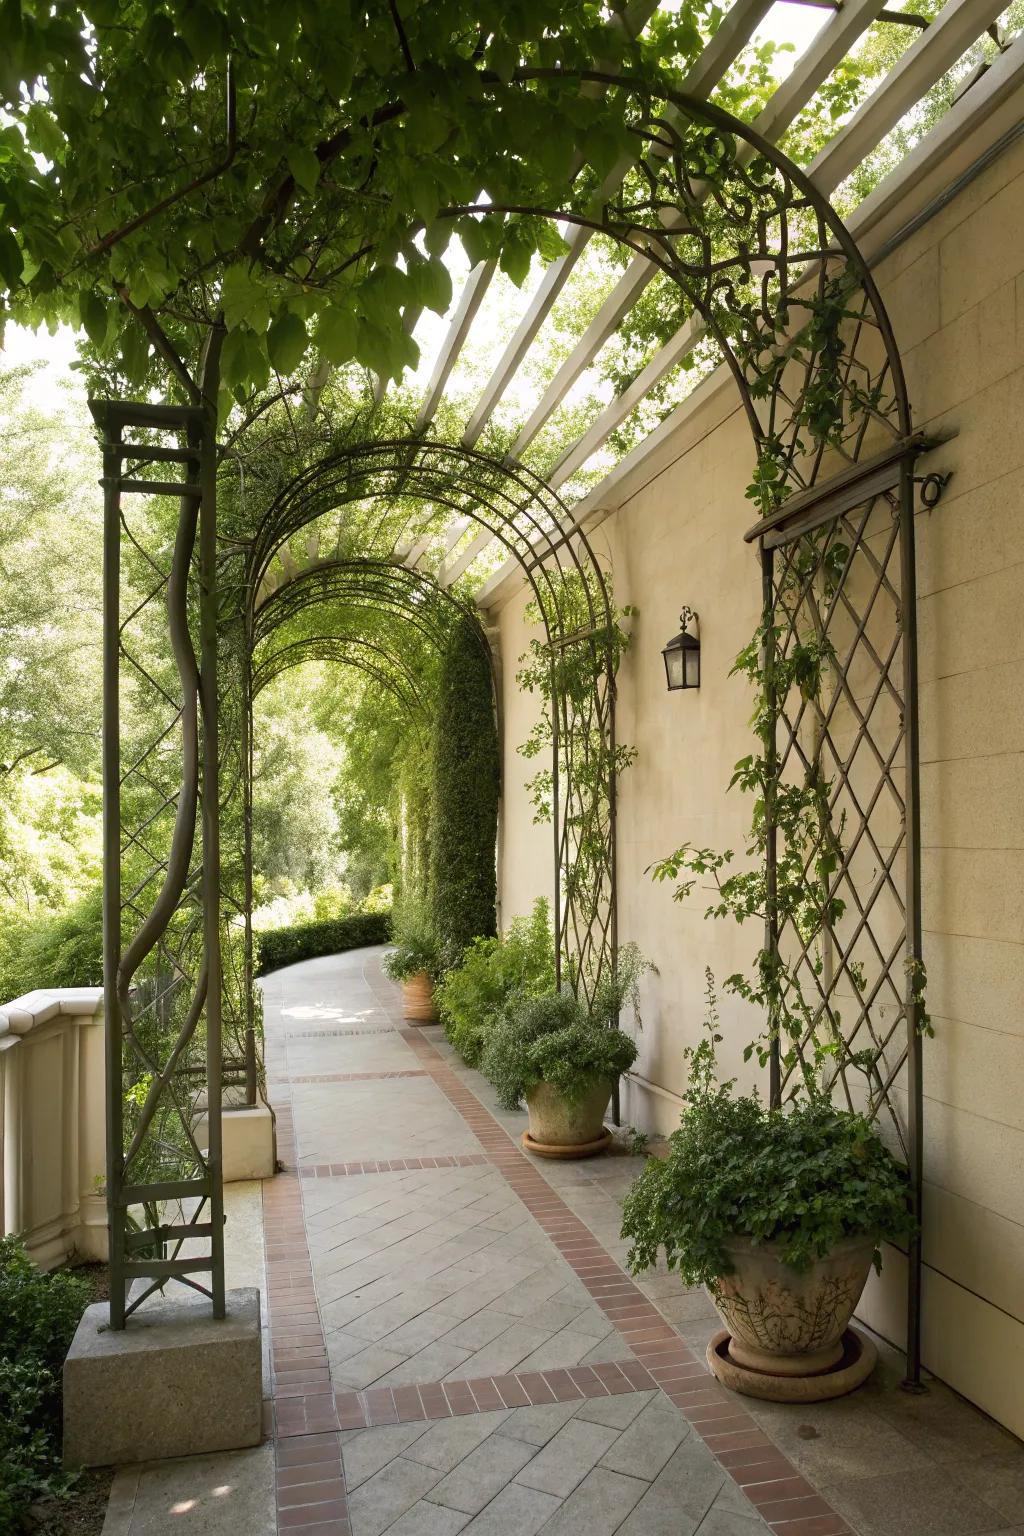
x,y
831,45
977,108
832,42
735,31
451,571
959,24
632,21
470,299
1003,79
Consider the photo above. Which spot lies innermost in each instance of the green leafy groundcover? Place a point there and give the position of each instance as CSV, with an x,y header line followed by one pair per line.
x,y
38,1317
287,946
806,1177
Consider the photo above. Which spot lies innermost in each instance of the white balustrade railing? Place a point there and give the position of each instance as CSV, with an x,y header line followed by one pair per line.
x,y
52,1123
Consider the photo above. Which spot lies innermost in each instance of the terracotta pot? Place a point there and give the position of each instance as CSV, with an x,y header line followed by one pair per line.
x,y
789,1322
418,998
554,1122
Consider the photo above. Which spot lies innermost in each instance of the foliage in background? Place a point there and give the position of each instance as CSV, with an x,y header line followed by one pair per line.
x,y
287,946
805,1177
467,773
62,948
50,571
553,1039
493,973
38,1317
296,832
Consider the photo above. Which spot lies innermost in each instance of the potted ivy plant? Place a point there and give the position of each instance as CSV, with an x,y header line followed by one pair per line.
x,y
414,961
563,1056
780,1214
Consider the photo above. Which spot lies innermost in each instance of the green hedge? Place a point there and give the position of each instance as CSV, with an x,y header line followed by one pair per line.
x,y
287,946
466,781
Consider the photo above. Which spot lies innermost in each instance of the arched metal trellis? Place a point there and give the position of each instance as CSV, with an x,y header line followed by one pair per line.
x,y
573,607
770,275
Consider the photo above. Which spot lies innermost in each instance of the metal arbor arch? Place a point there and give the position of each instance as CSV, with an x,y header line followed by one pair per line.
x,y
573,607
774,279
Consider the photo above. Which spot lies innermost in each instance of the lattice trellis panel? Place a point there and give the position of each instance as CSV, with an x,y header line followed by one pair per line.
x,y
161,954
842,807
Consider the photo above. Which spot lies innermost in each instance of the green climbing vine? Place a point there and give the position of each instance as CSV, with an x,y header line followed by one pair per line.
x,y
573,675
794,850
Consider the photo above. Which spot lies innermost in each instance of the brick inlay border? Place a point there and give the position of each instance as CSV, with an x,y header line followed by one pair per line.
x,y
336,1032
348,1077
777,1489
309,1477
482,1394
390,1165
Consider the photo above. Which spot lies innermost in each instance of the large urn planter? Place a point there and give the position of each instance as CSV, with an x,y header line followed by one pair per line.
x,y
418,998
787,1336
565,1128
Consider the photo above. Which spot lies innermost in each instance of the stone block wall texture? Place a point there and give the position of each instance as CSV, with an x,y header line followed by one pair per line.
x,y
955,293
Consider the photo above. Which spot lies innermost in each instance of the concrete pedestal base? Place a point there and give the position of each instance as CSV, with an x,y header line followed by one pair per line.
x,y
248,1144
174,1382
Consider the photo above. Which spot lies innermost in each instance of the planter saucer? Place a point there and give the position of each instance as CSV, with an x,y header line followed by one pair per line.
x,y
856,1365
580,1149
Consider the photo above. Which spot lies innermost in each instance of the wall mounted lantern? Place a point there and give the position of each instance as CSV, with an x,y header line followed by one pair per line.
x,y
682,654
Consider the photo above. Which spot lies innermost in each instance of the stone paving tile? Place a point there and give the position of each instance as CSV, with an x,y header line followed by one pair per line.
x,y
377,1503
617,1412
646,1445
472,1250
839,1439
366,1367
365,1452
681,1496
449,1441
724,1522
506,1352
998,1479
516,1511
537,1425
426,1519
484,1472
568,1457
598,1506
437,1362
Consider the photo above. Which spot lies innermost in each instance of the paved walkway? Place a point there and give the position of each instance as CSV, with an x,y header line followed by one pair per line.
x,y
456,1348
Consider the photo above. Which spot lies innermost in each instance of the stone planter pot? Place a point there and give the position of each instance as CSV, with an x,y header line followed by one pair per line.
x,y
785,1322
556,1123
418,998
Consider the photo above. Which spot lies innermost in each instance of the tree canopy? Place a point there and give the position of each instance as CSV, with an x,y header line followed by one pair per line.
x,y
291,171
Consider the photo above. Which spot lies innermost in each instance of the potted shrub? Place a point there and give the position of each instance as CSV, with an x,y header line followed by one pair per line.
x,y
553,1053
779,1213
414,962
474,994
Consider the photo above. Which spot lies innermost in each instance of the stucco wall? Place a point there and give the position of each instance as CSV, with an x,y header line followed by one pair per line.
x,y
955,292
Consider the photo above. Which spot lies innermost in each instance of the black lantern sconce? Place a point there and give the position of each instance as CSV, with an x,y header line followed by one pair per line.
x,y
682,654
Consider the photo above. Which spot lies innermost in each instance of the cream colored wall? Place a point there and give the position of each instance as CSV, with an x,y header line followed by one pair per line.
x,y
525,849
955,293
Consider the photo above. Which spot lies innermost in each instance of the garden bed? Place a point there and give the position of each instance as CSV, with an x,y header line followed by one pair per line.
x,y
40,1313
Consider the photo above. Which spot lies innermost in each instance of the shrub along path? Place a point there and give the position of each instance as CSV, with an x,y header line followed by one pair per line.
x,y
456,1347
